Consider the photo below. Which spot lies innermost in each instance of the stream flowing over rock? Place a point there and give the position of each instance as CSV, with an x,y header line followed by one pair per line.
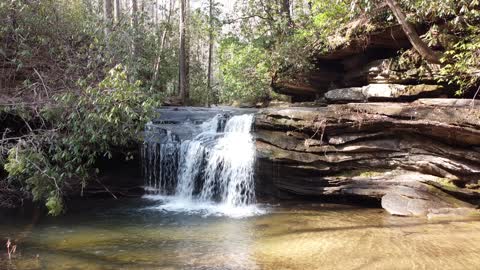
x,y
201,156
414,158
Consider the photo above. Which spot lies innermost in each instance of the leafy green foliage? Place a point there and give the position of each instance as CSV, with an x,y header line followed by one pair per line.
x,y
329,16
110,115
28,165
245,72
462,63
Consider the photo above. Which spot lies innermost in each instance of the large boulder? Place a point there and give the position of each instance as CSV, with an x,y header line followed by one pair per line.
x,y
414,159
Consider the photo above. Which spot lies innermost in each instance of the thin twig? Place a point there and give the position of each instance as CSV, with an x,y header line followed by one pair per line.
x,y
475,96
108,190
43,83
46,174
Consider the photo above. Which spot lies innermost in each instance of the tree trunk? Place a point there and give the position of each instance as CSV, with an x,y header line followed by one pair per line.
x,y
155,13
183,69
117,11
187,45
210,52
285,9
135,28
417,43
108,15
163,40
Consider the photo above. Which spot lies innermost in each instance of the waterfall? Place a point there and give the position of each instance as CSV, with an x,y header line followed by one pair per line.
x,y
214,167
230,164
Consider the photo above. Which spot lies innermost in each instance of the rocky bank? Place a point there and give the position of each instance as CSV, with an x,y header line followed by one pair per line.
x,y
420,158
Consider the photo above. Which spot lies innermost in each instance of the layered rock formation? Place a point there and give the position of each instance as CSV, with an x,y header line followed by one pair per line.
x,y
416,159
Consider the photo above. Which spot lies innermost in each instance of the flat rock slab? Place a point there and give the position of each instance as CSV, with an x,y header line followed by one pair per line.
x,y
448,102
399,205
178,115
379,92
186,122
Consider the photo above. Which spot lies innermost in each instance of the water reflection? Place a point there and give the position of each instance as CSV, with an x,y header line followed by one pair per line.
x,y
289,237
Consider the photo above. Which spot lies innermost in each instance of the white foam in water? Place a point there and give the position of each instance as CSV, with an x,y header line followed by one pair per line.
x,y
215,171
203,208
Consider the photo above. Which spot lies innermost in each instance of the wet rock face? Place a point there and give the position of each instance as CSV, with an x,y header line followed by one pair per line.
x,y
415,159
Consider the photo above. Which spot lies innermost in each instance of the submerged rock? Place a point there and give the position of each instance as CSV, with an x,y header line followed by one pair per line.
x,y
414,159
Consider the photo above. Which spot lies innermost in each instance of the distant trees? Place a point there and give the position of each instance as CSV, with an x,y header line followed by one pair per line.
x,y
165,31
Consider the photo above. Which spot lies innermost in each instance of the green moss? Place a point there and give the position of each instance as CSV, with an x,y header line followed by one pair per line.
x,y
437,191
447,183
371,173
474,185
362,173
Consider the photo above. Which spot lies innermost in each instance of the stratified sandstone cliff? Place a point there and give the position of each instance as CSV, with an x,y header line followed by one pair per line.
x,y
417,159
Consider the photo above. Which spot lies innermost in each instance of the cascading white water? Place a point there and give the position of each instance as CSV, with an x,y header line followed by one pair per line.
x,y
230,164
212,171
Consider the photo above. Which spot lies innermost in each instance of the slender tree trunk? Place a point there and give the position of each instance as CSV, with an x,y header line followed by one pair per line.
x,y
155,13
117,11
187,46
108,15
135,28
13,21
210,52
183,62
163,41
417,43
285,9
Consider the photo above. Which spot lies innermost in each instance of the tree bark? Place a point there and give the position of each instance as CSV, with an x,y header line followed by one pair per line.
x,y
210,52
135,28
108,15
183,63
417,43
163,40
285,9
155,13
117,11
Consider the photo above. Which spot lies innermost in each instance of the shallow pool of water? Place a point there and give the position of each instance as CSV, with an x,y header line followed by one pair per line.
x,y
138,234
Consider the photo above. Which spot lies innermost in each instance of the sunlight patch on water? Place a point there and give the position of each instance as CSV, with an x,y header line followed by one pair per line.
x,y
204,208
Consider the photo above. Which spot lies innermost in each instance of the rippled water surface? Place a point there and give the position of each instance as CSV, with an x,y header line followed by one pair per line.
x,y
138,234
